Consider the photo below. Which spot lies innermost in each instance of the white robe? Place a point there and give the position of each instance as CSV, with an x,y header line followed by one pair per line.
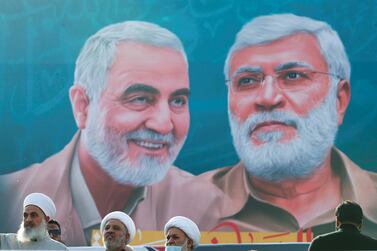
x,y
9,241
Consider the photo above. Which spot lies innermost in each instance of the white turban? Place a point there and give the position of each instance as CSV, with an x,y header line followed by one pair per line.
x,y
43,202
122,217
187,226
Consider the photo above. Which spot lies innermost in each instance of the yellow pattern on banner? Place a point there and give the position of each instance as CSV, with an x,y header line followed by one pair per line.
x,y
158,238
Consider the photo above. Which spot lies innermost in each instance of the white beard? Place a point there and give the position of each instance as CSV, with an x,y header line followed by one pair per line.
x,y
274,161
109,148
115,244
35,233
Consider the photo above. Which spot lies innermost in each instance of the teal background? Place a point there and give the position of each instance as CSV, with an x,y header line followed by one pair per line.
x,y
40,40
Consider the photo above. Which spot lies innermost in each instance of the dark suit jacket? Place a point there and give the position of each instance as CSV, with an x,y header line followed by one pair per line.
x,y
348,237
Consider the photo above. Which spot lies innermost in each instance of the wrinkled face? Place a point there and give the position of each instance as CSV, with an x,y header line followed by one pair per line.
x,y
142,118
295,52
54,231
32,217
284,127
115,234
175,237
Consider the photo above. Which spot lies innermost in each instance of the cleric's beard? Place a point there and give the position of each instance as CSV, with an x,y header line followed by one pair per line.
x,y
110,149
33,233
115,244
299,158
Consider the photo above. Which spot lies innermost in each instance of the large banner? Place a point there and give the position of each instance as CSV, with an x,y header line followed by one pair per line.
x,y
255,119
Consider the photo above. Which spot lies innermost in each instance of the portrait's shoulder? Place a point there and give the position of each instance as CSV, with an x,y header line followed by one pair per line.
x,y
178,181
357,172
222,172
179,173
177,177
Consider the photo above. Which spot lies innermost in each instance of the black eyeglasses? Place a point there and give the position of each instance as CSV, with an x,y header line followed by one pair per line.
x,y
54,232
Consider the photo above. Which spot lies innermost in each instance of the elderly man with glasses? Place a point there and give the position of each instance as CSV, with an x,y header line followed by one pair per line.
x,y
288,81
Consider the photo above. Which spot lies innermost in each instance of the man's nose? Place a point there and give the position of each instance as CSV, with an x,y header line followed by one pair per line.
x,y
160,119
109,230
269,96
170,242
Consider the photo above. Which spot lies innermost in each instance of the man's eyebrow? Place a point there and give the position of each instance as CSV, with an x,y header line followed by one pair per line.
x,y
290,65
247,69
183,91
140,88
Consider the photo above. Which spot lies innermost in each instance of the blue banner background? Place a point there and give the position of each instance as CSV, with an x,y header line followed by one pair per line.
x,y
40,40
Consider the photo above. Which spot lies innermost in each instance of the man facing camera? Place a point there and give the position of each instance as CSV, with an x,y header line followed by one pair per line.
x,y
130,103
288,81
349,218
118,230
182,234
32,234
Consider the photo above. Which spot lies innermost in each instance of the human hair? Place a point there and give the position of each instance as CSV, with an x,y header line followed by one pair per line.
x,y
96,56
55,222
266,29
349,211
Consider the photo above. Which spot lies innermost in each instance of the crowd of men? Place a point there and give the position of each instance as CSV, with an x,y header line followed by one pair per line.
x,y
288,80
38,230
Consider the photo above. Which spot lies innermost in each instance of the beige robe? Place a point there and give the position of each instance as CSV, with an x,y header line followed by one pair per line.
x,y
10,242
242,207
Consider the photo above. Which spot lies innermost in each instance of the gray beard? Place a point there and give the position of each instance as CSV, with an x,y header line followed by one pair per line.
x,y
35,233
109,149
274,161
115,244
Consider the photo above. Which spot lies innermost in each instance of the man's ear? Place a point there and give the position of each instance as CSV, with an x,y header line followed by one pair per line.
x,y
342,99
47,219
127,237
337,223
190,244
359,225
80,105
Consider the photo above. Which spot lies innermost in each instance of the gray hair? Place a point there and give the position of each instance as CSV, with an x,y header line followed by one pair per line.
x,y
96,56
265,29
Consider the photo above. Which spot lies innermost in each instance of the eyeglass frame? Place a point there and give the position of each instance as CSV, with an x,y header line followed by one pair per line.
x,y
275,77
54,232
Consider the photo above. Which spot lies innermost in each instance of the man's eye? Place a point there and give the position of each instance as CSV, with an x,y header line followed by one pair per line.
x,y
294,75
140,100
179,101
248,81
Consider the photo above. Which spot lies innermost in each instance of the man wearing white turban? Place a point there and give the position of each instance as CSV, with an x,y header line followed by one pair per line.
x,y
32,234
118,230
182,234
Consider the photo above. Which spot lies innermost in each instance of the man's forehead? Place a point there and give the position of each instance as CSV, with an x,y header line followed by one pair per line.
x,y
139,58
33,208
300,49
115,222
138,55
175,231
